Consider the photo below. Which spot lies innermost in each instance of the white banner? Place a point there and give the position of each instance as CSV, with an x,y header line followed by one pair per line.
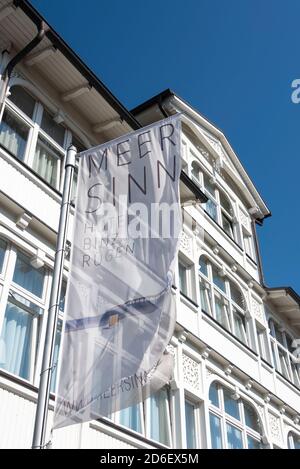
x,y
120,312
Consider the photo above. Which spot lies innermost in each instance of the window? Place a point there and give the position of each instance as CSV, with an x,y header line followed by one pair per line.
x,y
218,205
190,425
44,151
151,417
13,134
183,278
282,353
262,341
293,441
3,246
21,320
223,300
234,423
28,277
248,244
186,279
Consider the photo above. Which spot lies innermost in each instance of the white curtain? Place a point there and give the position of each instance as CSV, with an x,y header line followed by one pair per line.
x,y
159,417
16,341
12,136
131,418
45,164
27,276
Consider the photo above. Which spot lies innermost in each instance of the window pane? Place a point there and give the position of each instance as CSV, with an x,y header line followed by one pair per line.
x,y
208,185
56,131
252,443
196,172
131,418
211,208
13,134
182,278
22,100
251,418
56,355
221,313
159,417
62,297
190,425
203,266
46,161
218,280
205,299
225,203
15,341
234,437
27,276
3,246
215,432
239,326
231,406
237,296
227,225
213,394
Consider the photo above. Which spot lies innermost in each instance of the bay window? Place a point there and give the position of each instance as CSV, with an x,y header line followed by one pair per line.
x,y
223,300
234,423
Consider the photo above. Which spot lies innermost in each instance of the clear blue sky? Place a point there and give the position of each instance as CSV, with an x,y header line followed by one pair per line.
x,y
234,61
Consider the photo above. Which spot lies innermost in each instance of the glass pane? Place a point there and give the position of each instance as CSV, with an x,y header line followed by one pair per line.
x,y
204,299
159,417
208,185
15,341
27,276
221,313
56,131
234,437
213,395
218,280
227,225
182,279
211,208
278,334
231,406
283,363
239,326
62,297
251,418
13,134
3,246
56,355
203,266
215,432
237,296
196,172
131,418
225,203
252,443
22,100
46,161
190,425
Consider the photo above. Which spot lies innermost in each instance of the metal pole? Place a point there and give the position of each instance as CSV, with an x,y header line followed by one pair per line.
x,y
46,371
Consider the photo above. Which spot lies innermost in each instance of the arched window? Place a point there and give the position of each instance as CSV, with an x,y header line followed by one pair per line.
x,y
234,423
293,441
222,299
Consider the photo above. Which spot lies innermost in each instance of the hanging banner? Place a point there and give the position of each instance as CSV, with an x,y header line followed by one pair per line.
x,y
120,312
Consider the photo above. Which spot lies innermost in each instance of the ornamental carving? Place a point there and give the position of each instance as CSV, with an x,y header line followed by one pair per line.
x,y
274,426
186,244
191,372
257,310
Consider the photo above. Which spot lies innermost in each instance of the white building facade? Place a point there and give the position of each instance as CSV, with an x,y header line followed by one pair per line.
x,y
236,381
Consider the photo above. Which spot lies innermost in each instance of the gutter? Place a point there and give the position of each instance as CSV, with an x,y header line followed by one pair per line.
x,y
42,29
75,60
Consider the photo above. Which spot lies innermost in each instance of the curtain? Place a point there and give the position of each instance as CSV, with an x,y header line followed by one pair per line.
x,y
190,425
45,163
27,276
159,417
15,341
13,135
234,437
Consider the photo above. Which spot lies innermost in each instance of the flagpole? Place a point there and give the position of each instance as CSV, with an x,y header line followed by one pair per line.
x,y
41,415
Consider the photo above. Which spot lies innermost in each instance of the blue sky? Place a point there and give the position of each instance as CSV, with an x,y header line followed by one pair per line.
x,y
234,61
